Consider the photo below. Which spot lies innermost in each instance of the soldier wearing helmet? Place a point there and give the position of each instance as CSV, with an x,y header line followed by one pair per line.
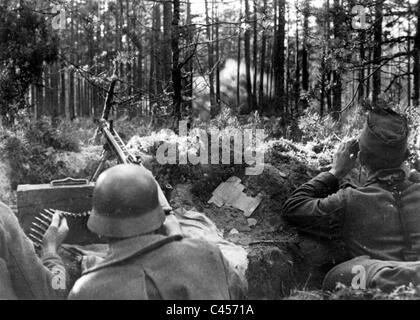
x,y
379,221
145,261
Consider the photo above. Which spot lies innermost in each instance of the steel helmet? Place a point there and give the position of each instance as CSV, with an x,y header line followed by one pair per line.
x,y
125,203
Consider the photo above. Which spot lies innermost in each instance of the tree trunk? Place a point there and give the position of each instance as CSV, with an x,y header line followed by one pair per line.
x,y
140,70
188,88
167,58
324,71
327,52
210,61
71,72
377,52
273,48
305,45
55,89
129,67
248,59
238,71
416,58
76,95
362,58
154,76
176,70
255,57
62,81
268,69
48,90
409,66
278,61
368,71
288,63
322,98
39,101
336,72
218,62
262,62
297,69
66,93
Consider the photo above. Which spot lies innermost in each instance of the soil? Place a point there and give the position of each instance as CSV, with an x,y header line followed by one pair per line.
x,y
279,260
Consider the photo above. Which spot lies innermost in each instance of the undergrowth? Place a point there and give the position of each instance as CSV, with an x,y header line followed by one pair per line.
x,y
31,148
30,151
342,292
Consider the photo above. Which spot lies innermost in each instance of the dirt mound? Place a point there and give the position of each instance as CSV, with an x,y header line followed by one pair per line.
x,y
280,261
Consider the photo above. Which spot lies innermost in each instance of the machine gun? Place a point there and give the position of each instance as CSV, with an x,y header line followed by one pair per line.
x,y
115,145
70,197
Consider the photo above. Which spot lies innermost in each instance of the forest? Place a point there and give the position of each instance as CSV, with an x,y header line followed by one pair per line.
x,y
306,72
192,59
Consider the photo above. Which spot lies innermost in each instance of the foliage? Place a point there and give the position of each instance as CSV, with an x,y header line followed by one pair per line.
x,y
79,130
315,128
342,292
26,43
30,163
42,132
204,177
31,150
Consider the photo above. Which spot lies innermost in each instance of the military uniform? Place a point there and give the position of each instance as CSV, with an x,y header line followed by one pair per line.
x,y
368,219
374,220
22,274
379,222
145,261
153,267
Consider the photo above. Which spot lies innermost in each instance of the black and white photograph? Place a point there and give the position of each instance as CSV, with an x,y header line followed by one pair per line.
x,y
220,153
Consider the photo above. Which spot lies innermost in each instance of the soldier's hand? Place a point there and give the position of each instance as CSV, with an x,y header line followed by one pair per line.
x,y
344,159
56,233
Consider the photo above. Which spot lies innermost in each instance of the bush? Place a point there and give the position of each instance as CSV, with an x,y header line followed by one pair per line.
x,y
44,133
317,129
31,163
31,149
81,130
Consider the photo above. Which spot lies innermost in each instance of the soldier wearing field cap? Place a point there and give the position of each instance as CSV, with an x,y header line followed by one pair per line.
x,y
378,222
147,259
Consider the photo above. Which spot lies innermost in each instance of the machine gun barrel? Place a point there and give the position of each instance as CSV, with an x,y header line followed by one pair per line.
x,y
114,144
109,99
118,147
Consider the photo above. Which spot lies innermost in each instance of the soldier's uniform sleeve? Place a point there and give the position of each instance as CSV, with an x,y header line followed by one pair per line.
x,y
30,276
6,289
237,287
317,207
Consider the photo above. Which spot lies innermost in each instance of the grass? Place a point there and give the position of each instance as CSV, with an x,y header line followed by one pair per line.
x,y
409,292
